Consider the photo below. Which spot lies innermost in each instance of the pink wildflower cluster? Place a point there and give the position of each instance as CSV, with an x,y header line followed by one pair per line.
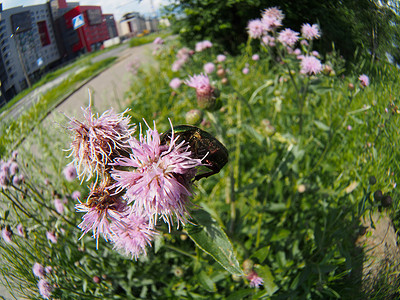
x,y
270,20
182,56
45,289
364,80
9,172
203,45
143,180
158,41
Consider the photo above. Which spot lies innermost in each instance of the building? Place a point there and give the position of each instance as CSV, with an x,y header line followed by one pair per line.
x,y
27,46
111,26
90,27
132,24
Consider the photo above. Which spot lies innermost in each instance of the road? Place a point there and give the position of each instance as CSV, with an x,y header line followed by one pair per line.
x,y
34,96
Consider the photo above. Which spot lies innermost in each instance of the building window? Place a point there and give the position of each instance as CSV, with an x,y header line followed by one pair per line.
x,y
43,33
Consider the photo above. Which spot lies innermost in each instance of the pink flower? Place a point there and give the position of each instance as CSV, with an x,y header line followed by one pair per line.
x,y
221,58
134,236
268,40
13,168
14,155
209,67
310,32
76,195
255,280
158,41
255,29
98,140
18,179
20,230
59,205
364,80
310,65
48,269
255,57
38,270
51,237
6,234
70,172
177,65
204,90
175,83
161,180
349,128
288,37
315,53
103,206
203,45
45,289
245,70
272,18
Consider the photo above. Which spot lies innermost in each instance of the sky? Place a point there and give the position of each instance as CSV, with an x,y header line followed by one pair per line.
x,y
116,7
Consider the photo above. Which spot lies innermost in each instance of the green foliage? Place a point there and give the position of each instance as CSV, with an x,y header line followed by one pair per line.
x,y
302,150
148,38
350,24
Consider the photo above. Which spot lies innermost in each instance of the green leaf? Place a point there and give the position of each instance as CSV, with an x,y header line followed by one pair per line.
x,y
321,125
261,254
209,237
206,282
241,294
265,273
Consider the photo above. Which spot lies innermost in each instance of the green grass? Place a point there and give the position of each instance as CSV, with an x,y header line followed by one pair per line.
x,y
302,150
149,38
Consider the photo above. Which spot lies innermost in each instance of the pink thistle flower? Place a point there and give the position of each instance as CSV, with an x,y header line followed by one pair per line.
x,y
304,43
76,195
13,168
102,207
209,67
59,205
177,65
349,127
160,183
204,90
310,65
51,236
310,32
184,54
38,270
135,236
14,155
315,53
364,80
221,57
45,289
245,70
6,235
288,37
255,57
70,173
268,40
175,83
20,230
255,280
297,52
48,269
98,140
18,179
158,41
4,180
255,29
273,13
203,45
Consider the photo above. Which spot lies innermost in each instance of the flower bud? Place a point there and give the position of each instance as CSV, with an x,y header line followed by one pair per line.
x,y
386,201
351,86
372,180
221,73
378,195
96,279
224,81
248,265
194,116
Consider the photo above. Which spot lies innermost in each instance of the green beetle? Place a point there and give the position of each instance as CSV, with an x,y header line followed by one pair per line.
x,y
202,145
